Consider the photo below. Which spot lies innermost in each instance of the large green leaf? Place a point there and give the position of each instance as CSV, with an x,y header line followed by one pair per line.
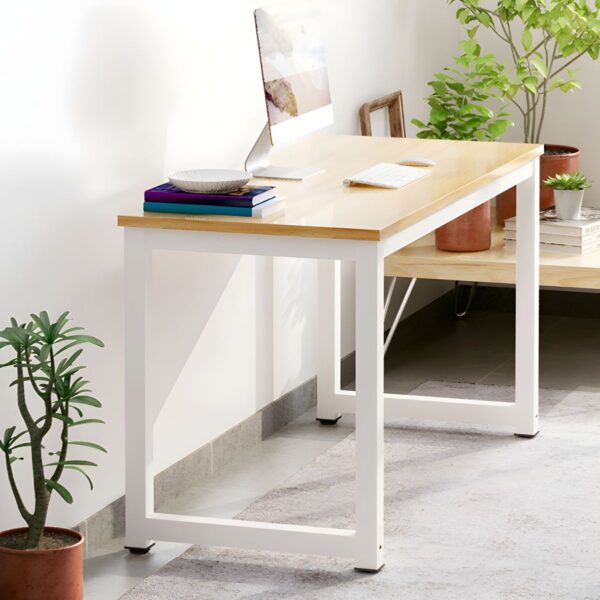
x,y
89,445
79,463
74,468
87,400
8,435
61,322
64,419
83,339
67,362
60,489
540,65
86,422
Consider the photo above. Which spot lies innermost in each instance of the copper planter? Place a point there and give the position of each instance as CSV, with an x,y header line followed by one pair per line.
x,y
550,165
55,574
471,232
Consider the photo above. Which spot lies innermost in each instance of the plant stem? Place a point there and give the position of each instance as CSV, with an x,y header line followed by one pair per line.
x,y
64,439
15,491
21,403
550,63
48,396
41,495
569,63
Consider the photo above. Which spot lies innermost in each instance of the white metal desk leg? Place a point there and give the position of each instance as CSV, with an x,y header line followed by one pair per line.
x,y
328,377
139,484
369,409
527,309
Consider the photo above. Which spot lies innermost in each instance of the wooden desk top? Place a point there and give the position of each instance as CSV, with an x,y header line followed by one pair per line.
x,y
496,265
321,206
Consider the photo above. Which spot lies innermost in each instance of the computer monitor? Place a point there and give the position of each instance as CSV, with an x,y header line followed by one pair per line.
x,y
295,81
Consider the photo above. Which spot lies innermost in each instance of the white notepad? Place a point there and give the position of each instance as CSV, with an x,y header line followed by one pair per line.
x,y
388,175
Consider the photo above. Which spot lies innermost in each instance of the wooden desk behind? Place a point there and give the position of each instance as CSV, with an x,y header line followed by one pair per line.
x,y
422,260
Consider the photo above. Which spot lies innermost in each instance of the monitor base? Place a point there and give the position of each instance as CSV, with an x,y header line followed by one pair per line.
x,y
290,173
259,165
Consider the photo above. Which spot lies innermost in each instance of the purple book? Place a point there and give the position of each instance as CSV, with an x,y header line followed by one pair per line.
x,y
246,197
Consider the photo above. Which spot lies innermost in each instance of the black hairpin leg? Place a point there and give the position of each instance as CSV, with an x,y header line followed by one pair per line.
x,y
463,312
136,550
329,421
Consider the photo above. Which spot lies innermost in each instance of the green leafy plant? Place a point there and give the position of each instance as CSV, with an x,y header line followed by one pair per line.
x,y
45,360
459,101
569,181
544,39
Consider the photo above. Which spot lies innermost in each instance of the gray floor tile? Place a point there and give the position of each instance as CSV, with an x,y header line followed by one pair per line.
x,y
478,349
112,571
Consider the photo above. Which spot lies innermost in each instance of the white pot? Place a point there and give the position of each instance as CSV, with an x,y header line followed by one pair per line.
x,y
568,204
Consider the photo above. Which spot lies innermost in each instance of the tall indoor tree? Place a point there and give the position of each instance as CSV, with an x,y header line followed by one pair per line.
x,y
544,39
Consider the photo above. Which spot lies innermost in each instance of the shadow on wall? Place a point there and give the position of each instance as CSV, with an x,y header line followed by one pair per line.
x,y
296,322
127,89
68,184
183,301
264,332
124,93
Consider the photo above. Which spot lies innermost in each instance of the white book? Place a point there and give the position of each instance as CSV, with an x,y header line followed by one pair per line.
x,y
561,240
561,249
387,175
549,223
269,208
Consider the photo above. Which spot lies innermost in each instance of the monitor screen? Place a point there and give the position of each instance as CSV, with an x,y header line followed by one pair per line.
x,y
296,84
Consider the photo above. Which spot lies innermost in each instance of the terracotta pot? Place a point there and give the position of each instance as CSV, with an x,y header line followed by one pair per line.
x,y
550,165
55,574
471,232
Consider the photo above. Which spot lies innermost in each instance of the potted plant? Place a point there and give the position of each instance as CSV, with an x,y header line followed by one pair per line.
x,y
37,561
543,41
458,111
569,189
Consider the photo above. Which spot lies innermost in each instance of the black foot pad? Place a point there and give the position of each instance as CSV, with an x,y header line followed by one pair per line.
x,y
369,571
135,550
526,436
329,421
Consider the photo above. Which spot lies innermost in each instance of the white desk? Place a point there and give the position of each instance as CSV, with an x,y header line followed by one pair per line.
x,y
331,223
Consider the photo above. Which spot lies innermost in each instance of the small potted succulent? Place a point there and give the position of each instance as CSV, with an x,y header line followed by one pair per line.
x,y
38,561
568,194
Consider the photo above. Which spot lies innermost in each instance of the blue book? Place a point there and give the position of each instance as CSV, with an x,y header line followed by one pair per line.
x,y
246,197
262,210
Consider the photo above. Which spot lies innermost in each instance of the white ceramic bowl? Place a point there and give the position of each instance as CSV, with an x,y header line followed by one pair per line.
x,y
210,181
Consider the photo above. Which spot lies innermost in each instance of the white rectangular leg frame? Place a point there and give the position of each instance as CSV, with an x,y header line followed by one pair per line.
x,y
365,544
522,415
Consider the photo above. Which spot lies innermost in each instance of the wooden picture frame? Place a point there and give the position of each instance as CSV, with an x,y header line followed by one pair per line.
x,y
395,107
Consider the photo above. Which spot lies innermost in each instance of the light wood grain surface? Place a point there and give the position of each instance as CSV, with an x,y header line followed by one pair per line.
x,y
322,207
496,265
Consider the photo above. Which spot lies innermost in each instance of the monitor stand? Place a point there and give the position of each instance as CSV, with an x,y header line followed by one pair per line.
x,y
259,165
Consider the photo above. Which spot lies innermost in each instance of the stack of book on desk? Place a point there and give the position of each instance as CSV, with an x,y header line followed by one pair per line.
x,y
249,201
563,237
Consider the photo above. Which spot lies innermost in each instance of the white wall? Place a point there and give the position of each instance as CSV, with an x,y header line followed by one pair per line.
x,y
101,99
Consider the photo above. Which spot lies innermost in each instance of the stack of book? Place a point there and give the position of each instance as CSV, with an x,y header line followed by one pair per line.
x,y
249,201
563,237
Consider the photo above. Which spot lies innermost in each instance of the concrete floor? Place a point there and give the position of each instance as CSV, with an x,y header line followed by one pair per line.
x,y
478,349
